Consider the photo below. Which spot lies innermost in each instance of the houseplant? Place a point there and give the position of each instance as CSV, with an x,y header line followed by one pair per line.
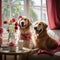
x,y
12,26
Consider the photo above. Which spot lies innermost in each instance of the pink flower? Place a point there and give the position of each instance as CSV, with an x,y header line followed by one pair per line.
x,y
5,22
19,17
12,20
16,27
12,44
8,30
16,23
1,30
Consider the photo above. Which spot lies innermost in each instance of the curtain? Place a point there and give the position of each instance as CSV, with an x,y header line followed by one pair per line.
x,y
1,29
53,11
0,13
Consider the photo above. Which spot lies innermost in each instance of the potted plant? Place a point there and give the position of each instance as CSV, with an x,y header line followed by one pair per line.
x,y
12,27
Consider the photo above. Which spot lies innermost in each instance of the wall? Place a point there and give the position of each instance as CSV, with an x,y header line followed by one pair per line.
x,y
54,33
57,32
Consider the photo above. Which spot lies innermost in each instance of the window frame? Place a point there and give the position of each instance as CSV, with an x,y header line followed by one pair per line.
x,y
27,8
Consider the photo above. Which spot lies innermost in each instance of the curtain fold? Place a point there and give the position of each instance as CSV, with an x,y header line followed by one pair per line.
x,y
53,13
0,13
1,29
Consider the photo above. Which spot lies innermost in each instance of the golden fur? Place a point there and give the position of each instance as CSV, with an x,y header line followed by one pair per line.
x,y
42,39
25,33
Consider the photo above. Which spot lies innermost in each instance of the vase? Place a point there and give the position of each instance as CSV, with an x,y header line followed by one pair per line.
x,y
11,37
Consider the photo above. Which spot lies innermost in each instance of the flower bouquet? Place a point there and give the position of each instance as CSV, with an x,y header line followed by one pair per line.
x,y
12,26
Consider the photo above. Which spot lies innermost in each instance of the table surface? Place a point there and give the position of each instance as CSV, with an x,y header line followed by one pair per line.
x,y
23,51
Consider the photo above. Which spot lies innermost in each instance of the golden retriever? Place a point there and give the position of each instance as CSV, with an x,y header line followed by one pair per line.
x,y
42,39
25,32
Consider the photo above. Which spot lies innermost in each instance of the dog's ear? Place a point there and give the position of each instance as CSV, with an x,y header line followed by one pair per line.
x,y
29,23
45,25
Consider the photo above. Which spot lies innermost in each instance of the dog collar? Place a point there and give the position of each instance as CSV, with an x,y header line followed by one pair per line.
x,y
26,36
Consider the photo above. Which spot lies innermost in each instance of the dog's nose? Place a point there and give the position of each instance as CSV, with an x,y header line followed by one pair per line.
x,y
22,23
35,28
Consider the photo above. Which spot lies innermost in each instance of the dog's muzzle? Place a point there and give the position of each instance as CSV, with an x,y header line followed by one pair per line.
x,y
35,28
37,31
22,24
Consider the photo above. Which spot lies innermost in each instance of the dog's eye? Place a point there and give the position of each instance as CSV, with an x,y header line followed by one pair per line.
x,y
39,24
24,19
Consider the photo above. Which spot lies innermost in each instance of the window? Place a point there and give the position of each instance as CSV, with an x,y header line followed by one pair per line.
x,y
44,11
12,8
36,10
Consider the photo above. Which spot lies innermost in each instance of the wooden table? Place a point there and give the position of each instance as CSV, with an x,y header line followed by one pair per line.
x,y
23,53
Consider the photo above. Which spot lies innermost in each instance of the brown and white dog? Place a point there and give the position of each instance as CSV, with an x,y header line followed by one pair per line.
x,y
25,32
42,39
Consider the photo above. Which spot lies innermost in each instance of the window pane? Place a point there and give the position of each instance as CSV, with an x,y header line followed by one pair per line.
x,y
38,10
44,14
44,11
35,10
5,12
36,2
35,13
43,2
12,8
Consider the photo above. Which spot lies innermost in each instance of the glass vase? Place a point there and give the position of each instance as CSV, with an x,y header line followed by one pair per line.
x,y
11,37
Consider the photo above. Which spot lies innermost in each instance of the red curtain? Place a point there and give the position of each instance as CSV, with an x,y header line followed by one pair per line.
x,y
53,11
0,13
1,29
